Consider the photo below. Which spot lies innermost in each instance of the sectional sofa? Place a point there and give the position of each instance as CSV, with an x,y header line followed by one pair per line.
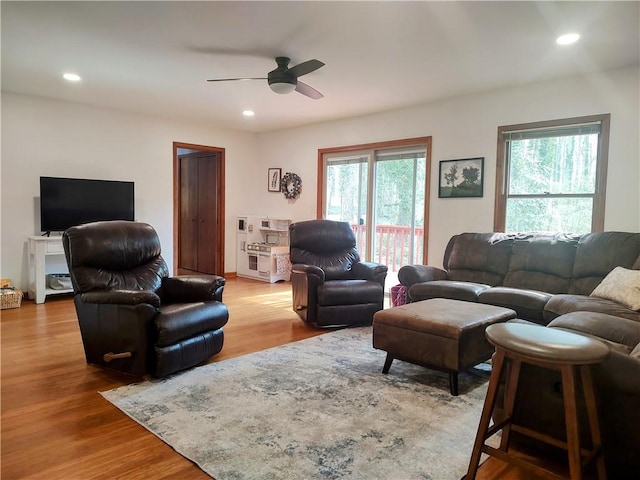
x,y
588,284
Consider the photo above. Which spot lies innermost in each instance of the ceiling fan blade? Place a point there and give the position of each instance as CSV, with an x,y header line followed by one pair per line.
x,y
310,92
234,79
305,67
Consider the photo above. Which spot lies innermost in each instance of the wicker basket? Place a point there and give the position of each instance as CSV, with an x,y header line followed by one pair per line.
x,y
10,298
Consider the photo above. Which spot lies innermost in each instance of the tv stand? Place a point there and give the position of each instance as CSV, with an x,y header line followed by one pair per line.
x,y
39,249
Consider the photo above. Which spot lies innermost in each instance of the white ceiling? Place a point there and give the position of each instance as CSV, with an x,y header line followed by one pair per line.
x,y
154,57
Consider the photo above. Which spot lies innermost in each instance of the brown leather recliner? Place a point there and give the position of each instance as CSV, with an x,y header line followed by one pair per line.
x,y
133,317
331,286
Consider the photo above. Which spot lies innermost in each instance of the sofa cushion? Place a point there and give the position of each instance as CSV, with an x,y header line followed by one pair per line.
x,y
622,286
598,254
467,291
565,303
527,303
542,262
478,257
608,327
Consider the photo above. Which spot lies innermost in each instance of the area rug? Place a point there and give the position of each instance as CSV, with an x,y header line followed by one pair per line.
x,y
319,408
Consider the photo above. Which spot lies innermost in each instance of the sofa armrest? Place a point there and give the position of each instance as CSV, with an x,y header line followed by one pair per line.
x,y
122,297
370,271
193,288
412,274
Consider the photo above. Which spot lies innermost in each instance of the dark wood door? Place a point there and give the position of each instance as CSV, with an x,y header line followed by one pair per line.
x,y
188,258
207,214
199,217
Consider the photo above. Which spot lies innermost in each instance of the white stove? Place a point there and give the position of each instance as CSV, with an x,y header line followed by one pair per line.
x,y
263,249
268,262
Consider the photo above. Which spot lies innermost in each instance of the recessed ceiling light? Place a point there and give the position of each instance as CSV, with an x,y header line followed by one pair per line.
x,y
248,113
567,39
72,77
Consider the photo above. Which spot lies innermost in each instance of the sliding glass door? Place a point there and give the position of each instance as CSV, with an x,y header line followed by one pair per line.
x,y
382,193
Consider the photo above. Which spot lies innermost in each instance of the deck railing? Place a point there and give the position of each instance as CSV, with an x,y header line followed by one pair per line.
x,y
391,244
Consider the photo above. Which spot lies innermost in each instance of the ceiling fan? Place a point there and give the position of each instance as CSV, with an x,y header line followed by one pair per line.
x,y
284,79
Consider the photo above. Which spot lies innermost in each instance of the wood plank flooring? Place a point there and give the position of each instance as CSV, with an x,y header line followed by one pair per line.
x,y
55,425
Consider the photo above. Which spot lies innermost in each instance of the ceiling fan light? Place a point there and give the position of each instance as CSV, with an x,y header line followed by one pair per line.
x,y
282,87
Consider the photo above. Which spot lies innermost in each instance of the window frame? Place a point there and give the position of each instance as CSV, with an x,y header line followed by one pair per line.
x,y
502,167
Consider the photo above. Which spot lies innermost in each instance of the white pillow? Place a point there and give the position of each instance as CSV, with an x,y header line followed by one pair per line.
x,y
621,285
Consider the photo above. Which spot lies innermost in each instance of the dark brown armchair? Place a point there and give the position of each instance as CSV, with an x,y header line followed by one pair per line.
x,y
133,317
331,286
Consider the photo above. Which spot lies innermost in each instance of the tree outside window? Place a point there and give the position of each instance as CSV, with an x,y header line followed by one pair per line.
x,y
550,176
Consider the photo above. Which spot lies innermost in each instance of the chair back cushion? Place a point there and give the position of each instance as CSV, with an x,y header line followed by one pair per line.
x,y
116,255
598,254
478,257
327,244
542,261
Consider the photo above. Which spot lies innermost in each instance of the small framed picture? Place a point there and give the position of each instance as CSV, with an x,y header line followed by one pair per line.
x,y
461,178
274,179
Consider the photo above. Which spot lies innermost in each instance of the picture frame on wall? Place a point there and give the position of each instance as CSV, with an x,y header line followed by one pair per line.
x,y
274,175
461,178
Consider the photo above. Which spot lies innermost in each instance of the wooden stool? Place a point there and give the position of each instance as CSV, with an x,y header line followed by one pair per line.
x,y
549,348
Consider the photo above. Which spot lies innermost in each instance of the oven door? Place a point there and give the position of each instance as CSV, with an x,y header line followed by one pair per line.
x,y
264,263
253,261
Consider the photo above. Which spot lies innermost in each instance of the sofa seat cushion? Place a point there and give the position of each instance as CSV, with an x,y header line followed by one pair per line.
x,y
450,289
179,321
349,292
565,303
528,304
618,330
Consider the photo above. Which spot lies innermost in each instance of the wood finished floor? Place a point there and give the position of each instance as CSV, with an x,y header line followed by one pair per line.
x,y
55,425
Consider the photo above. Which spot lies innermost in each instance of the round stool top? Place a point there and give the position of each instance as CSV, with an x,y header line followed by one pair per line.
x,y
547,344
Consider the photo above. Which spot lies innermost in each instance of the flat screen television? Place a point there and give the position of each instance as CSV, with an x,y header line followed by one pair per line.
x,y
66,202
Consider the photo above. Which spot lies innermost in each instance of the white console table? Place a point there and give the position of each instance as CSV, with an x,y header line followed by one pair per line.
x,y
39,249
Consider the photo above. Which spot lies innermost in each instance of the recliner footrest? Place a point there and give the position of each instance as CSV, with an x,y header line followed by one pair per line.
x,y
349,292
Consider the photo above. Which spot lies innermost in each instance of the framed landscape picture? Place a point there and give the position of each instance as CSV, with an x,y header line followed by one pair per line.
x,y
274,179
461,178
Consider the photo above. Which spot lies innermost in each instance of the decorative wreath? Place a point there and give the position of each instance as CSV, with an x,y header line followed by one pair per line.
x,y
290,185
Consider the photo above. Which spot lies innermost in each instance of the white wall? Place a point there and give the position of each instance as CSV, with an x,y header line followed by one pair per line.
x,y
44,137
467,127
50,138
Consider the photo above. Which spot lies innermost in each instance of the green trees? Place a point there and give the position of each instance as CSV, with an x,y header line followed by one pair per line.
x,y
397,198
394,187
552,181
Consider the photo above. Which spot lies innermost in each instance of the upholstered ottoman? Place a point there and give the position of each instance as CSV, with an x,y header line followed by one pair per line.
x,y
439,333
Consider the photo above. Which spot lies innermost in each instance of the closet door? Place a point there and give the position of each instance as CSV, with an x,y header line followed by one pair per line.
x,y
199,216
207,214
188,256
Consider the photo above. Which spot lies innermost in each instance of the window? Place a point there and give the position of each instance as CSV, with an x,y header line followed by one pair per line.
x,y
551,176
382,191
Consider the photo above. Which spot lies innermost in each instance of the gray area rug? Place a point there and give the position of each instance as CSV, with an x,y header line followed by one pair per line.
x,y
315,409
